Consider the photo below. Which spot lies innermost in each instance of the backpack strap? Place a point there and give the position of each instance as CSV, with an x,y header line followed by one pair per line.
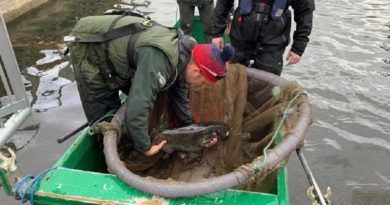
x,y
131,45
111,67
113,34
133,30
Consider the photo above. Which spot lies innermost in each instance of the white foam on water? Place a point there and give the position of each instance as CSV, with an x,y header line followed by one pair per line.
x,y
49,89
50,56
34,71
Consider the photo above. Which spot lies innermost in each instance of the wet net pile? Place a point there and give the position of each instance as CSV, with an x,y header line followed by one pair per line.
x,y
253,109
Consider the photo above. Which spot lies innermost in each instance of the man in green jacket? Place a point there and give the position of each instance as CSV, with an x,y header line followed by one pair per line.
x,y
139,57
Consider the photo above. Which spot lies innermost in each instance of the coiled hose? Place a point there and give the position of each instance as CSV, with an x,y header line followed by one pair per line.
x,y
190,189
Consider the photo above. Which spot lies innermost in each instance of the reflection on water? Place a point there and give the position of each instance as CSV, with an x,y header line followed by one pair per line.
x,y
37,41
49,89
43,29
346,73
345,70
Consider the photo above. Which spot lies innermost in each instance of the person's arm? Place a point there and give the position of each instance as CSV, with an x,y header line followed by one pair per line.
x,y
153,71
303,16
180,102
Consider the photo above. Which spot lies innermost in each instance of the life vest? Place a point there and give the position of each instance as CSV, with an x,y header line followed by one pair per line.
x,y
272,8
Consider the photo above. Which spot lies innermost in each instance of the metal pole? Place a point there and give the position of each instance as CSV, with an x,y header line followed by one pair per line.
x,y
4,80
62,139
12,124
20,106
310,176
10,64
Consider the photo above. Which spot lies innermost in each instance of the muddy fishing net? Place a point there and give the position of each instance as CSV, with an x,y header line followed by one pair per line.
x,y
252,109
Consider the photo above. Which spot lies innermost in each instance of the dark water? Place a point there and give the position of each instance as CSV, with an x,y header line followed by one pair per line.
x,y
345,71
44,28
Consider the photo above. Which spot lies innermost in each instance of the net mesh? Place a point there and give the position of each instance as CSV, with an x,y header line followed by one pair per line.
x,y
251,108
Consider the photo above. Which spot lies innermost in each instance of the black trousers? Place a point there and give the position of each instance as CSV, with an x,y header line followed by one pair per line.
x,y
187,11
270,61
97,103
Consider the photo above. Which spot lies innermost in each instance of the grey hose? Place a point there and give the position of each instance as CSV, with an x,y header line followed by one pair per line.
x,y
190,189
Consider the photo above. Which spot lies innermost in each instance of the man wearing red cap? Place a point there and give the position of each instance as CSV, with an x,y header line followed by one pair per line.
x,y
140,58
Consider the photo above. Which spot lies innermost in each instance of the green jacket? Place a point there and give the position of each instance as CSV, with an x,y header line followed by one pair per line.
x,y
159,65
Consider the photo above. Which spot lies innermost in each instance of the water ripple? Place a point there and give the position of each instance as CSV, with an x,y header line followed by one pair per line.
x,y
355,137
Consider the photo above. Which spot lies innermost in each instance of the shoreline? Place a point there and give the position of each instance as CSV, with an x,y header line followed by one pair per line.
x,y
13,9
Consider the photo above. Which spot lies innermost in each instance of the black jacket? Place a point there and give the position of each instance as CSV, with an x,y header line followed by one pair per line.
x,y
248,34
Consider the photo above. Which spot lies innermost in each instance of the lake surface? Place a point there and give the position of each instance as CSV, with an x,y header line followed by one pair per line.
x,y
345,71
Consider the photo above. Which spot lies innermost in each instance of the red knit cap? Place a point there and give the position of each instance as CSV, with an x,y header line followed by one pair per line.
x,y
211,61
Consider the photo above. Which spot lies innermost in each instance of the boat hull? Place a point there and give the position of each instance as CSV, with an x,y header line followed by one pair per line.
x,y
80,179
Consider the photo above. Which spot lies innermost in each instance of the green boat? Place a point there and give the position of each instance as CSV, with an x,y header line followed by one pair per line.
x,y
80,176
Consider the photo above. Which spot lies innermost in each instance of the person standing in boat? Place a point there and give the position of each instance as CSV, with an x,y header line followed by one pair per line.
x,y
141,58
187,8
260,31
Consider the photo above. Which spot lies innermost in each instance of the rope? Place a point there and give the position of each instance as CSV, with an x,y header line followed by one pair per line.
x,y
261,165
20,194
29,183
101,119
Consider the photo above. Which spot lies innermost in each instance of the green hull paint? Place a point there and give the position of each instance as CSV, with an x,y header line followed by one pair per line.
x,y
76,183
82,178
4,182
96,188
